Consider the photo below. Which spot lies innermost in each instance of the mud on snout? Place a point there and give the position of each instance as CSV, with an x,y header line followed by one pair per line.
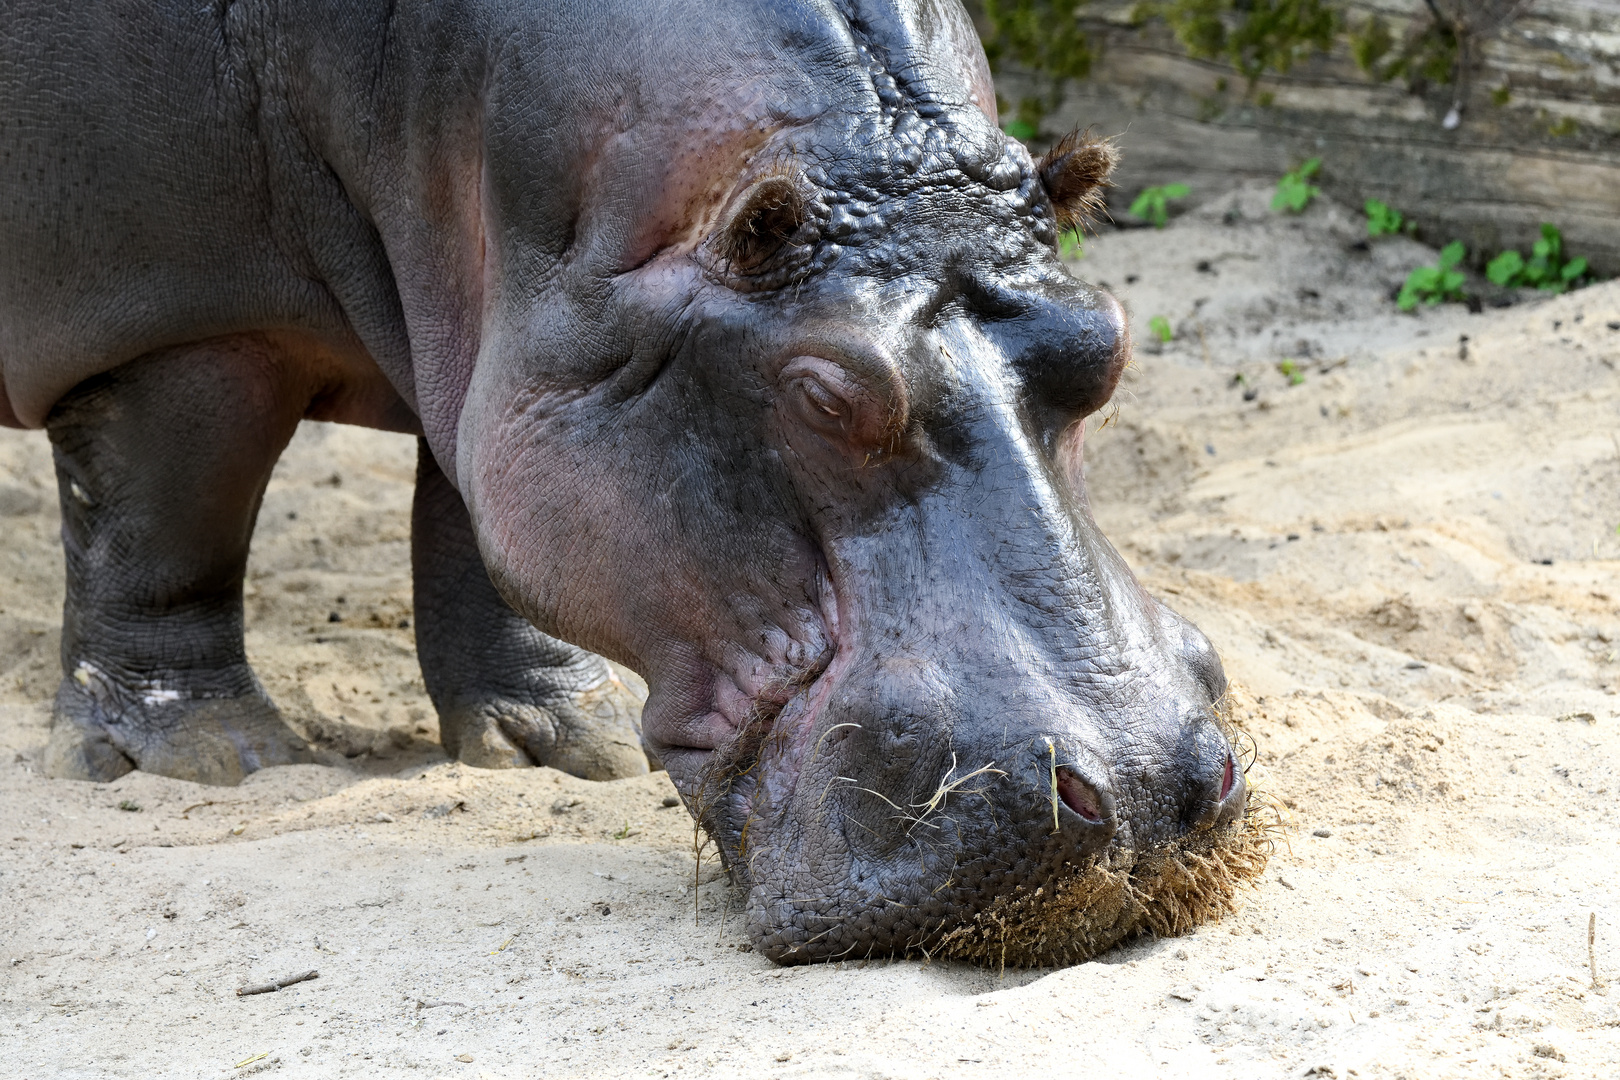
x,y
1092,907
1058,903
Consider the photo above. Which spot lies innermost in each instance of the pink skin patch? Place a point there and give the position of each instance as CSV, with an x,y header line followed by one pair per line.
x,y
1078,796
1227,779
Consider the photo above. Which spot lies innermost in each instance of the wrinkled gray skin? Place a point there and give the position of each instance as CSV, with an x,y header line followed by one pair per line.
x,y
737,340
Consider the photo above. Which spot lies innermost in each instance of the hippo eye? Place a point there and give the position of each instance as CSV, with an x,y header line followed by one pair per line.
x,y
821,405
1074,173
771,213
835,403
823,399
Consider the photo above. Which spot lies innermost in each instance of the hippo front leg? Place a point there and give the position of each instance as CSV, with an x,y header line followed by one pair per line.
x,y
161,465
508,695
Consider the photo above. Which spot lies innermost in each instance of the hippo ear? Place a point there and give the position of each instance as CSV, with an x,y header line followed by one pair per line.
x,y
1075,171
769,214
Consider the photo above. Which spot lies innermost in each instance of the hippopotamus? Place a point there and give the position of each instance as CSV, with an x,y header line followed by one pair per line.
x,y
740,353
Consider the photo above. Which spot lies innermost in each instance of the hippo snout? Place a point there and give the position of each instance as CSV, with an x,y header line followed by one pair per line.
x,y
1199,787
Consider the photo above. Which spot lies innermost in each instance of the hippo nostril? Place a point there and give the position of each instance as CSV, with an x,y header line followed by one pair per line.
x,y
1079,796
1225,807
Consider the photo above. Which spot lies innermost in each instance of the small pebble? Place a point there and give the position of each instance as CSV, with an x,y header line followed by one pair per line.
x,y
1324,833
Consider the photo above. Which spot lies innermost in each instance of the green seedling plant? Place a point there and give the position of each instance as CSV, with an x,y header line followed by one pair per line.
x,y
1546,269
1070,245
1295,190
1159,327
1433,284
1291,372
1022,130
1384,220
1153,205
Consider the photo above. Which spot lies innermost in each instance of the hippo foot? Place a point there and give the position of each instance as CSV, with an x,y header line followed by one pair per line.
x,y
100,734
592,734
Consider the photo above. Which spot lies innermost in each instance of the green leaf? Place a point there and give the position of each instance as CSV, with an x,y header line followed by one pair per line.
x,y
1152,204
1505,269
1381,219
1573,269
1435,284
1160,328
1021,130
1294,192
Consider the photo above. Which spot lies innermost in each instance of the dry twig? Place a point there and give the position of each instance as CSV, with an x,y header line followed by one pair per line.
x,y
1591,946
279,984
435,1003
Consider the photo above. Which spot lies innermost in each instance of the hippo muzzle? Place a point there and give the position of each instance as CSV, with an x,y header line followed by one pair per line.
x,y
999,705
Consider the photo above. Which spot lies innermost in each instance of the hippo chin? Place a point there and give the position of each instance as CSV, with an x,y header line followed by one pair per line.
x,y
741,354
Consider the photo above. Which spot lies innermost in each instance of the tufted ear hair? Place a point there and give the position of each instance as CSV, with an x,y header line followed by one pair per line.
x,y
1075,171
768,215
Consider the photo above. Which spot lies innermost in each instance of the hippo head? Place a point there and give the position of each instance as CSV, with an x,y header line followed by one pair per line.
x,y
791,423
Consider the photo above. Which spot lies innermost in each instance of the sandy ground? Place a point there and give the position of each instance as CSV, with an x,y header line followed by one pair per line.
x,y
1409,561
